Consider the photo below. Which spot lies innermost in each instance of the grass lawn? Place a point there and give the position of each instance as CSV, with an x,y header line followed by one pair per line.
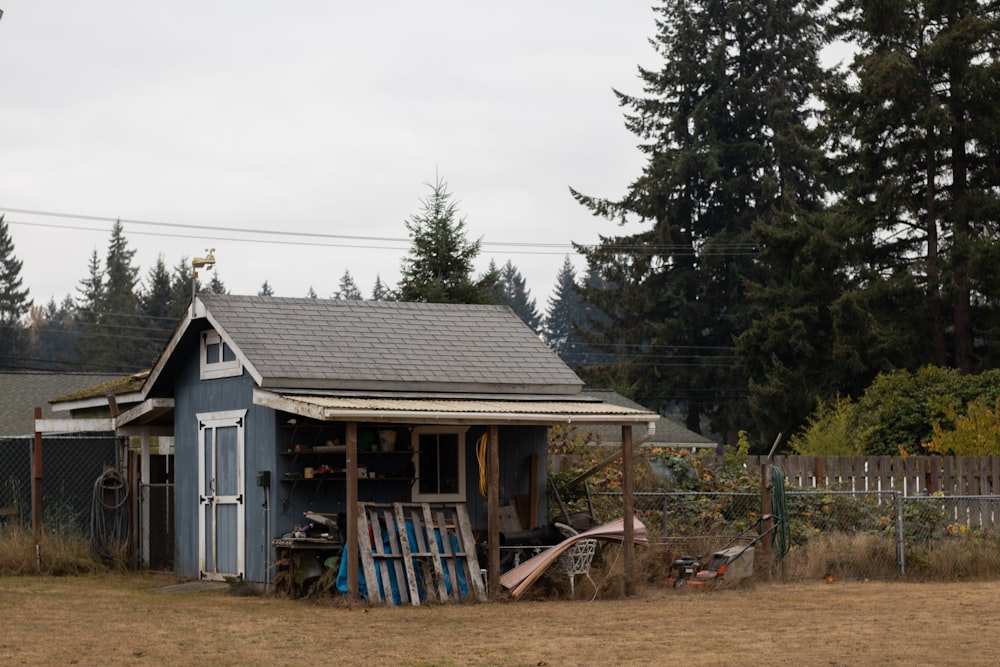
x,y
115,619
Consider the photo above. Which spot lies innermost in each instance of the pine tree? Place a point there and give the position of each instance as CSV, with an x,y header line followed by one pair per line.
x,y
123,343
920,126
348,288
722,125
381,291
438,268
518,297
215,285
90,296
157,308
54,336
265,290
180,287
564,306
14,305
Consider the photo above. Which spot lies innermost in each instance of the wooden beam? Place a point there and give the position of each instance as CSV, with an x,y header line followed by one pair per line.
x,y
73,425
351,548
605,462
493,512
533,492
628,511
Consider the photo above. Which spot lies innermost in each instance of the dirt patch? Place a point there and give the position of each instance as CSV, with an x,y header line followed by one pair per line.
x,y
122,620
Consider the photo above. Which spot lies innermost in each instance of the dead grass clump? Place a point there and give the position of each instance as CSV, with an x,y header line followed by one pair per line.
x,y
969,557
54,555
842,556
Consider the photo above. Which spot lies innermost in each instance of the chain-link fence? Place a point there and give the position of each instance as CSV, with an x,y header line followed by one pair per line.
x,y
70,466
833,533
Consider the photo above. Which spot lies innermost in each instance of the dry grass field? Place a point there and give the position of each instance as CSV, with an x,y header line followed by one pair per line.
x,y
127,619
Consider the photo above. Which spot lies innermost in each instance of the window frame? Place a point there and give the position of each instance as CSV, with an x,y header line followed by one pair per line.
x,y
460,432
223,368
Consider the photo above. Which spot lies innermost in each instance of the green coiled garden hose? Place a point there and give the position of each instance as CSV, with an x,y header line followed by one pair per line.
x,y
780,510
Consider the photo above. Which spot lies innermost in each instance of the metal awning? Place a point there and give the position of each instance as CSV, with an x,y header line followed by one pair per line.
x,y
452,410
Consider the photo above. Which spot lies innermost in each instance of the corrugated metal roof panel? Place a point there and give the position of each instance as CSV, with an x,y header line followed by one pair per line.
x,y
487,410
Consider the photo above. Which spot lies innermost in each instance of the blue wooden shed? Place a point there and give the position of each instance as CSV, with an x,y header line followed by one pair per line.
x,y
282,406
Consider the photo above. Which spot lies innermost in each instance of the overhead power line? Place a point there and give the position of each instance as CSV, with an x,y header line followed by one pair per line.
x,y
348,240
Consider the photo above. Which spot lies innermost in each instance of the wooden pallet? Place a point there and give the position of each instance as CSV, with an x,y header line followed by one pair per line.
x,y
418,551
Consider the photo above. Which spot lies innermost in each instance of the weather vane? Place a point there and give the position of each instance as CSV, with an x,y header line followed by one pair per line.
x,y
206,262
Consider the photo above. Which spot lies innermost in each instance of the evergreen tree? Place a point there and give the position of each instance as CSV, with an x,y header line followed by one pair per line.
x,y
564,306
722,125
157,308
90,295
180,287
54,336
215,285
265,290
381,291
123,343
920,126
348,288
14,305
438,268
517,296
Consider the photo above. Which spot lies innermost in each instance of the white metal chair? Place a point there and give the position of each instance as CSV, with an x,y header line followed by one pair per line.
x,y
576,560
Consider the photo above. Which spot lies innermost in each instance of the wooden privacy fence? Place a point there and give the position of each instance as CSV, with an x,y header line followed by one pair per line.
x,y
909,475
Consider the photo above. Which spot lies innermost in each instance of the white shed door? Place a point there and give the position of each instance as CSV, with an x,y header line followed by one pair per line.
x,y
221,526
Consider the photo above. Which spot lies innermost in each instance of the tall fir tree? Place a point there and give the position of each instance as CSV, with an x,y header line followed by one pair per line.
x,y
14,305
215,285
180,287
919,122
157,308
124,337
381,291
348,289
564,306
439,265
517,296
720,123
54,336
90,296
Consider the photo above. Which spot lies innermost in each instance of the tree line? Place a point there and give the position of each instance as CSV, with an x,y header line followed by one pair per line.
x,y
802,229
118,321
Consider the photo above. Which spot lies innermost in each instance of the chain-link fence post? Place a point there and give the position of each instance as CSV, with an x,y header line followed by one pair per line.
x,y
900,541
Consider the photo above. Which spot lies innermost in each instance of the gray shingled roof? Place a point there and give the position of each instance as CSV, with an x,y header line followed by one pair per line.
x,y
22,392
347,344
669,433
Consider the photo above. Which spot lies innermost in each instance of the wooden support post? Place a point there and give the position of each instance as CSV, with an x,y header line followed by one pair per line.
x,y
533,493
628,511
351,548
36,484
493,512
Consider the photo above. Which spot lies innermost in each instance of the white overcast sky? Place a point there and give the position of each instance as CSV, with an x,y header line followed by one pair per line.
x,y
310,117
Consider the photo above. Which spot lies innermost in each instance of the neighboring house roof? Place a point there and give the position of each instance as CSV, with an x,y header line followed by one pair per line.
x,y
22,391
667,432
385,345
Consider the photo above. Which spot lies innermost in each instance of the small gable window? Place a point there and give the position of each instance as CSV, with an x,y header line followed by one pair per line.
x,y
439,454
218,360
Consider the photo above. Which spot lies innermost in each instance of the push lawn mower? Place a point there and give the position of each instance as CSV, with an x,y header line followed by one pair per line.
x,y
728,565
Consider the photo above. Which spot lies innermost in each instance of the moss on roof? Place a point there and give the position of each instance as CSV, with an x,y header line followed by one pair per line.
x,y
116,387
